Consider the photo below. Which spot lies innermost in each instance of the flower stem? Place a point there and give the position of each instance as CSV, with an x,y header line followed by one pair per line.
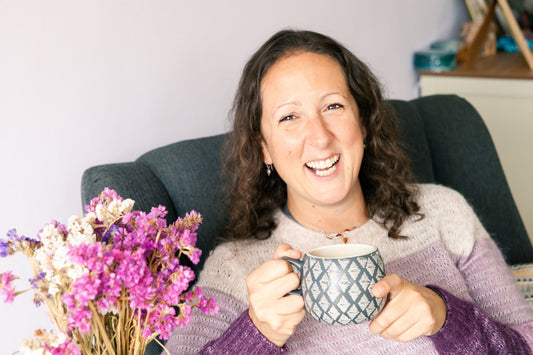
x,y
102,329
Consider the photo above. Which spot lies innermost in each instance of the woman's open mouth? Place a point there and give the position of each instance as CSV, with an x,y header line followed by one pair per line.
x,y
324,167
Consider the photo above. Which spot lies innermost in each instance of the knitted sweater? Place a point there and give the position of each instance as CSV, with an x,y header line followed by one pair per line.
x,y
486,313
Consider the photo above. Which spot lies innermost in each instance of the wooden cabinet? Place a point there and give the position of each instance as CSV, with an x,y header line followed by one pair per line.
x,y
501,89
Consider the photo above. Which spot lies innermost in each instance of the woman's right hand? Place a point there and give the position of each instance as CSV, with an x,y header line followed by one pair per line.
x,y
274,313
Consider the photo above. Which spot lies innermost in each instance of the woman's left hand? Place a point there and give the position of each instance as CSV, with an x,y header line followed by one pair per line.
x,y
411,310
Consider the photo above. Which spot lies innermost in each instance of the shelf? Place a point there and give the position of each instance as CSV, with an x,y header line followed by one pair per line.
x,y
501,65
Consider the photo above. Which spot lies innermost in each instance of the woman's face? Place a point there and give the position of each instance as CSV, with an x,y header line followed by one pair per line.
x,y
311,129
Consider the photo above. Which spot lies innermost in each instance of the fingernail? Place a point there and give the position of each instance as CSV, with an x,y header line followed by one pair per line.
x,y
378,290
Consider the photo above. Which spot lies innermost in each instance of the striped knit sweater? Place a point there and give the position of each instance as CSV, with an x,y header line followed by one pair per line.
x,y
448,248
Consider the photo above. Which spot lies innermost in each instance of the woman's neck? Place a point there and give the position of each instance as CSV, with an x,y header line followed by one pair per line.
x,y
330,218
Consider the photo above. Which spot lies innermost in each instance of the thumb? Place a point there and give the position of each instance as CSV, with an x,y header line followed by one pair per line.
x,y
391,283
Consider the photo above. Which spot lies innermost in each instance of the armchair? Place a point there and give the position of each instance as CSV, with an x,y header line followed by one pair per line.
x,y
445,137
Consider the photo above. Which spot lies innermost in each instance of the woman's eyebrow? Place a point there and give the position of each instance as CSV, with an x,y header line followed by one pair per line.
x,y
295,103
332,93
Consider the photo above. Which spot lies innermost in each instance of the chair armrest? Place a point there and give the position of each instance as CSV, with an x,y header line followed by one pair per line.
x,y
130,180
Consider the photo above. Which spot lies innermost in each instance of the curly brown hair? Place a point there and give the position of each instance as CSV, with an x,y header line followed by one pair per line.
x,y
252,196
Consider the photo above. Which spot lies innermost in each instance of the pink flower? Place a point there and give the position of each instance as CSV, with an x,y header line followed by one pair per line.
x,y
204,304
179,283
110,195
80,319
6,288
132,260
195,255
188,238
161,320
66,348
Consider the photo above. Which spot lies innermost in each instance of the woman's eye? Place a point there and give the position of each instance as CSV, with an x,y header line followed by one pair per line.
x,y
287,118
334,106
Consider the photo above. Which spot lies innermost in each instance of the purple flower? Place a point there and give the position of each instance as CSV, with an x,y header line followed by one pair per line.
x,y
111,232
4,249
33,282
37,301
14,237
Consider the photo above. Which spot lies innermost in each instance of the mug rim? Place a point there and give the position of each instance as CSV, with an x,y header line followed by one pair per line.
x,y
369,249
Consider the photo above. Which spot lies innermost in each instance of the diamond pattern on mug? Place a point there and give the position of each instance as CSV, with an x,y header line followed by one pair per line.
x,y
335,297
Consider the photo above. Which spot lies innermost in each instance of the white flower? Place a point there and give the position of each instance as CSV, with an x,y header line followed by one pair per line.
x,y
51,238
80,231
59,339
60,259
90,218
101,213
41,257
115,207
32,346
76,271
55,283
127,205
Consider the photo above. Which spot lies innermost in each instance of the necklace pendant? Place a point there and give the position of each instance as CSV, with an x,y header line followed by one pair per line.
x,y
339,235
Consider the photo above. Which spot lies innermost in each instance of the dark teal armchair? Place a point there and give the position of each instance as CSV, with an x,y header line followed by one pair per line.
x,y
445,137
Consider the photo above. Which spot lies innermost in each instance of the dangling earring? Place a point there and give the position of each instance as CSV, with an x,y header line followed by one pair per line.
x,y
364,143
269,168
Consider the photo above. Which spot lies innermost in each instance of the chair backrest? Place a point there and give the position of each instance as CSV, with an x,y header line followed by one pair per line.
x,y
445,137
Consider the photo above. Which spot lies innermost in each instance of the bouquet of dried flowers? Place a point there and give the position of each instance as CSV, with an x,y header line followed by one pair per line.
x,y
111,280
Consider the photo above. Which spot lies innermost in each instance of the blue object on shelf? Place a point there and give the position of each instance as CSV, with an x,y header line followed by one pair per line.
x,y
434,60
451,45
508,44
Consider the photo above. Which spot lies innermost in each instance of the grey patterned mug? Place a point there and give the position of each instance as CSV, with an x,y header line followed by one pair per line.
x,y
336,282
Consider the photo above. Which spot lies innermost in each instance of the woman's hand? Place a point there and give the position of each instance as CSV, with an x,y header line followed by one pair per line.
x,y
273,313
411,310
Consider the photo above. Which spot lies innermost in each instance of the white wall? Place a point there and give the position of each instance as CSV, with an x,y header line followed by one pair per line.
x,y
94,82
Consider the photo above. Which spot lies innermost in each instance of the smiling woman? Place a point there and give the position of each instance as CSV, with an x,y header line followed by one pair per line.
x,y
274,100
312,113
312,135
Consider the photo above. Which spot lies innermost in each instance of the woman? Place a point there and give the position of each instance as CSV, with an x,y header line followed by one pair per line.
x,y
314,160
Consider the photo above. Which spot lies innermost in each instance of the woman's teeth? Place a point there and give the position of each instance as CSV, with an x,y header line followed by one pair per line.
x,y
324,167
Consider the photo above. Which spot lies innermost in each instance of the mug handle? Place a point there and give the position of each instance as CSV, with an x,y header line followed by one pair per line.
x,y
298,264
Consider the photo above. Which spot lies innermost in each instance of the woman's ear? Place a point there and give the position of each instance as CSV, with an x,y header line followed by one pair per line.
x,y
363,128
266,154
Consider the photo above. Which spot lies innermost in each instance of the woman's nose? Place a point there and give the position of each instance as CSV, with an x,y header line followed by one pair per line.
x,y
318,132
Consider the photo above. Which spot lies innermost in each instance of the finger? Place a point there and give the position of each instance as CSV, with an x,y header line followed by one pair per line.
x,y
394,309
279,287
391,284
291,304
285,249
408,334
385,319
399,328
269,271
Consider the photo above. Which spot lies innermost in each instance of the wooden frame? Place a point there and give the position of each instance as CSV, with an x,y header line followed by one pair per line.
x,y
471,51
516,32
477,9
